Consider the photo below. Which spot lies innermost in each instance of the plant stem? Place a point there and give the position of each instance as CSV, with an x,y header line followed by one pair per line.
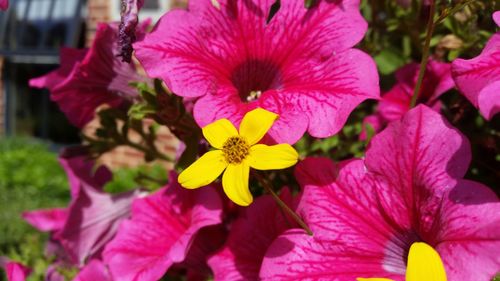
x,y
425,54
267,186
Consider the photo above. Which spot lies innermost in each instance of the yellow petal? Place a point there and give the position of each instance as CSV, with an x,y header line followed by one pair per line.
x,y
256,123
235,183
373,279
204,170
280,156
424,263
218,132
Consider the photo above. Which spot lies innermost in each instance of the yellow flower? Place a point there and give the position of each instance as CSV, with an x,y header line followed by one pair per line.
x,y
424,264
235,153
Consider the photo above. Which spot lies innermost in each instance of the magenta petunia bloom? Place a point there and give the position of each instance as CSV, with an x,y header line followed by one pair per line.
x,y
479,78
46,219
4,4
15,271
366,214
161,231
95,270
300,65
250,236
89,78
396,102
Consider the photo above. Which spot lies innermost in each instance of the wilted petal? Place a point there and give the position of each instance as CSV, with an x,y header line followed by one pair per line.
x,y
46,220
93,219
95,270
80,170
161,231
250,236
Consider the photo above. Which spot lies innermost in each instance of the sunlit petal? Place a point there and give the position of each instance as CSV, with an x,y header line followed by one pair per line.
x,y
280,156
218,132
204,170
256,123
235,184
424,263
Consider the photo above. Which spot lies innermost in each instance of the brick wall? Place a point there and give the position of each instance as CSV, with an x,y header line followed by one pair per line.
x,y
98,11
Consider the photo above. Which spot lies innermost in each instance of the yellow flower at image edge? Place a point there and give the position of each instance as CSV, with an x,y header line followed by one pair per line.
x,y
424,264
237,152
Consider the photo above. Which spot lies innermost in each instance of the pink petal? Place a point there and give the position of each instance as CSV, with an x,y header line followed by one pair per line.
x,y
422,149
223,55
69,57
80,170
496,17
16,271
95,270
250,236
4,4
375,121
489,100
467,236
365,218
93,220
349,234
437,80
473,75
46,220
161,230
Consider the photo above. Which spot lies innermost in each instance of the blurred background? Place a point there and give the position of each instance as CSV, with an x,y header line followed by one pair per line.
x,y
32,128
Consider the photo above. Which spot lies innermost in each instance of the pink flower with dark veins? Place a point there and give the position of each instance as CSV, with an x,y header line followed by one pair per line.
x,y
300,64
396,102
161,230
479,78
88,78
366,214
250,236
95,270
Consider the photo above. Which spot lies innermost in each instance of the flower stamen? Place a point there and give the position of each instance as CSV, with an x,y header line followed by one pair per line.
x,y
235,150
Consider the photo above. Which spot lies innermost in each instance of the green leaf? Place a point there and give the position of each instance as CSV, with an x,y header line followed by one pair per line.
x,y
388,60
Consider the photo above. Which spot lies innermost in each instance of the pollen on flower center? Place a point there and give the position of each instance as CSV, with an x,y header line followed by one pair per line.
x,y
235,150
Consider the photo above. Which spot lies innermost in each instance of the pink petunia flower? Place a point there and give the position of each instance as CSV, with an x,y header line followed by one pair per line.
x,y
250,236
300,65
95,270
4,4
46,219
161,231
366,214
396,102
479,78
15,271
90,78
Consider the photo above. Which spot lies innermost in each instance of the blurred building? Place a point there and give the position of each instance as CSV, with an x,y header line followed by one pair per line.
x,y
31,33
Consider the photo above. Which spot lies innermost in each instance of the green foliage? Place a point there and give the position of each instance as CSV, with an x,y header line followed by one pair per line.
x,y
30,178
149,177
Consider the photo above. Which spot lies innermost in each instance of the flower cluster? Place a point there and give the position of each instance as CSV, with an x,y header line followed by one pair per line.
x,y
254,78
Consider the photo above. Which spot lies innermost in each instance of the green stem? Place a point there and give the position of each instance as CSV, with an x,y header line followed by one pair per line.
x,y
425,54
156,153
267,186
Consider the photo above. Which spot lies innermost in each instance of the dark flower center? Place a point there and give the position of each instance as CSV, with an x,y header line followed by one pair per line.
x,y
235,150
253,77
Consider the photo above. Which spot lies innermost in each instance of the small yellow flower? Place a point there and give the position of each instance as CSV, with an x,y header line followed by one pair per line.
x,y
424,264
235,153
